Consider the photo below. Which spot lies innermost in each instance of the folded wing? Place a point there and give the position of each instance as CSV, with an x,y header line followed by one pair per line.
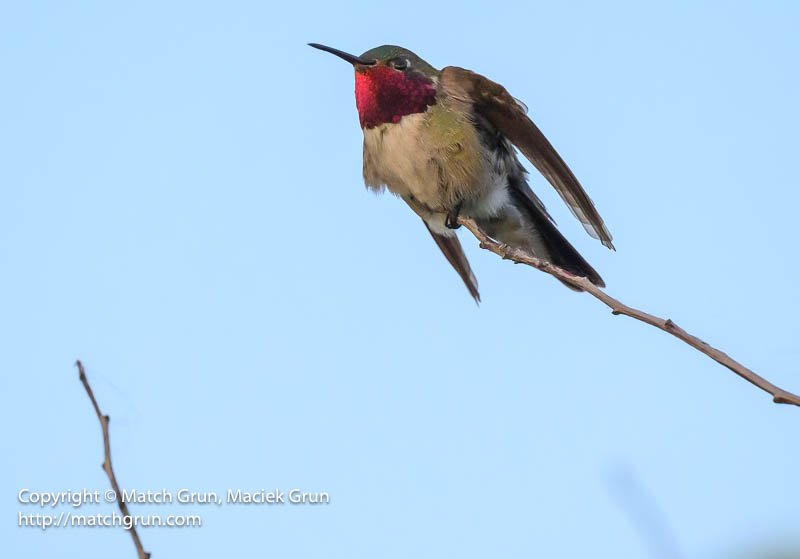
x,y
451,248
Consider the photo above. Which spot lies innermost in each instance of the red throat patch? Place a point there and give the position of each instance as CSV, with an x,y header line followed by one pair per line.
x,y
385,95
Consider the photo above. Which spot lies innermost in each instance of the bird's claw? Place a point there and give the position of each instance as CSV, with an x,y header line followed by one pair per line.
x,y
451,219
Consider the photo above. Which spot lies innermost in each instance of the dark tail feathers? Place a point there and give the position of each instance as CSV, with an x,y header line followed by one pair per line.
x,y
560,251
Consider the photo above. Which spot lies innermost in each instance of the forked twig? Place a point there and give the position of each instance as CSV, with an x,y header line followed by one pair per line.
x,y
779,396
104,419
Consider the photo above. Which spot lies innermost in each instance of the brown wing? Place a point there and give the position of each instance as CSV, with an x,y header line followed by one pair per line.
x,y
451,248
493,102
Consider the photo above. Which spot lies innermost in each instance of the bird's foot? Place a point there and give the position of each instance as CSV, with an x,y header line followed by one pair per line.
x,y
451,219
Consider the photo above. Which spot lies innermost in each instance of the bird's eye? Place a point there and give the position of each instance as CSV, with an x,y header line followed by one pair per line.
x,y
399,64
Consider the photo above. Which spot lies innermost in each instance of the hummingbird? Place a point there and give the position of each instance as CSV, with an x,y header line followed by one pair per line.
x,y
443,141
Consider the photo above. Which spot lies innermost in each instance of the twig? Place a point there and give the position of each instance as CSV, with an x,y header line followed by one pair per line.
x,y
779,396
644,513
104,419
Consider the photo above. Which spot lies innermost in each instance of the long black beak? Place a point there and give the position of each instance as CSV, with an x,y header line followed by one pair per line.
x,y
345,56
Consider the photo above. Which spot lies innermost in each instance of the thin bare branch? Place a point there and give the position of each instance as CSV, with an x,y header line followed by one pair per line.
x,y
779,396
104,419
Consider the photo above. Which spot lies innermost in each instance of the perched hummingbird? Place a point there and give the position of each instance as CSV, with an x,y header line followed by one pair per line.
x,y
442,140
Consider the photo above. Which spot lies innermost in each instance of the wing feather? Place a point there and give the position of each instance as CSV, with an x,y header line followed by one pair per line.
x,y
451,248
495,104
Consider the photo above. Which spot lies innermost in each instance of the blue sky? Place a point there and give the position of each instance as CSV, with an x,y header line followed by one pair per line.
x,y
182,208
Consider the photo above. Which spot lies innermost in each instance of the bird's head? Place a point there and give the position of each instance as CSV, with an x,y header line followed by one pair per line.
x,y
391,82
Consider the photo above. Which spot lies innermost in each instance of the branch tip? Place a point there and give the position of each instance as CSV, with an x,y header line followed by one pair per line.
x,y
779,396
106,465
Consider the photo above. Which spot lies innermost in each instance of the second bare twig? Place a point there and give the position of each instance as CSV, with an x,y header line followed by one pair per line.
x,y
104,419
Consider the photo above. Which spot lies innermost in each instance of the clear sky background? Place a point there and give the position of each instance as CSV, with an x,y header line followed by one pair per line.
x,y
181,207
